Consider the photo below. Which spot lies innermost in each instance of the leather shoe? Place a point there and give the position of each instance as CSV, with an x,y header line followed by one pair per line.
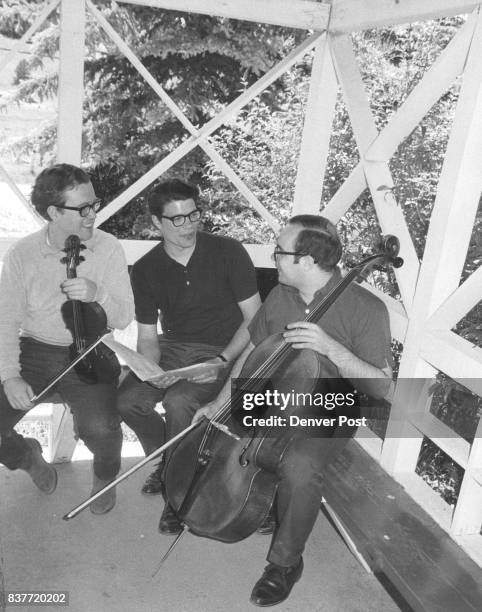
x,y
154,484
42,473
169,523
106,501
268,526
275,584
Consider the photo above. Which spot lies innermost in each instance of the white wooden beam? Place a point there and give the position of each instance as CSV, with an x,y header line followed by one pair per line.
x,y
467,518
304,14
20,197
350,15
207,147
396,311
455,356
377,174
454,210
71,81
458,304
468,512
320,110
20,45
448,236
207,129
349,191
260,253
438,79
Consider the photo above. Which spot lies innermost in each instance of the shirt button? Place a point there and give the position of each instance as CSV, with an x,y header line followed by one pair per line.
x,y
188,283
307,311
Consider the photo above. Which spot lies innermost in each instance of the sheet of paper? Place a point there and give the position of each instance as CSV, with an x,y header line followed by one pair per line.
x,y
147,370
193,370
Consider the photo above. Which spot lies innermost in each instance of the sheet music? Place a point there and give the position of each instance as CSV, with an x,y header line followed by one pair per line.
x,y
147,370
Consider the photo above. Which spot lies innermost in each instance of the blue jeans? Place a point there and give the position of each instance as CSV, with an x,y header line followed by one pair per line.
x,y
96,420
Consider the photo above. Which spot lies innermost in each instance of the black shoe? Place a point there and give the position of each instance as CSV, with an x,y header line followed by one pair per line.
x,y
275,584
268,526
154,484
169,523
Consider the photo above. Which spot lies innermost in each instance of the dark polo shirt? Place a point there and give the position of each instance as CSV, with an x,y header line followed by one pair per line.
x,y
357,319
197,302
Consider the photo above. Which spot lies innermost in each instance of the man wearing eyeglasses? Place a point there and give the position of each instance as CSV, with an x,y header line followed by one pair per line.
x,y
353,341
202,288
34,340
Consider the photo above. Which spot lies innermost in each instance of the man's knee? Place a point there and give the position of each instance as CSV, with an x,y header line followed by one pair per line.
x,y
180,402
300,473
137,399
99,430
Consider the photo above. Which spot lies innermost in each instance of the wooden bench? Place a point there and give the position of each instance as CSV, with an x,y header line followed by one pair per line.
x,y
60,429
399,540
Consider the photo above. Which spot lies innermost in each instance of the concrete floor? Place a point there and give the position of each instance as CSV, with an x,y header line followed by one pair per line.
x,y
106,562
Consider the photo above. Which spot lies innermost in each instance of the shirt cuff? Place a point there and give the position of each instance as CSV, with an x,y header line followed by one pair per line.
x,y
10,372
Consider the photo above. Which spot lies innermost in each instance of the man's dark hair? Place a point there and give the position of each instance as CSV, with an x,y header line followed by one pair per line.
x,y
319,239
52,183
169,191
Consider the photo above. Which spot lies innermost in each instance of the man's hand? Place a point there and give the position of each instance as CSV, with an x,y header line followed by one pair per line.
x,y
19,393
209,375
208,411
81,289
304,335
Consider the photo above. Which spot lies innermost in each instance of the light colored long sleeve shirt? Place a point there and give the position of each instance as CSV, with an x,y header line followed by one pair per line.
x,y
31,298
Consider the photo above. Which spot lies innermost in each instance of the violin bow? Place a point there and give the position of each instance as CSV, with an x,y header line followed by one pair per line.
x,y
128,473
67,369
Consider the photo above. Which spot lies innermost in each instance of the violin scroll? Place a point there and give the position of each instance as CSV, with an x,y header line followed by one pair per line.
x,y
73,257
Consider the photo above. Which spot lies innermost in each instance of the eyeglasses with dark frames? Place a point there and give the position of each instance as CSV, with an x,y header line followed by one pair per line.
x,y
84,210
178,220
278,251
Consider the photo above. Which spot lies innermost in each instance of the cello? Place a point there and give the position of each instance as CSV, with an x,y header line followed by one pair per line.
x,y
221,487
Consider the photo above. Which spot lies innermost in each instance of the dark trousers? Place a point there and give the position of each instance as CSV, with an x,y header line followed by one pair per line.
x,y
299,495
96,420
137,400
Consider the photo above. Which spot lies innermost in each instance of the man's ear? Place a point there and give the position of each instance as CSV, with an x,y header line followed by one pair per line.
x,y
156,222
307,262
53,212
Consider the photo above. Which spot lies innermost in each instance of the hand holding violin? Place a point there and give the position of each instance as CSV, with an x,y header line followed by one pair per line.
x,y
19,393
79,288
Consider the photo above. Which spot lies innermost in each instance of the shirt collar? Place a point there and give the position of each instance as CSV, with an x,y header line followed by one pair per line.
x,y
47,249
335,278
199,248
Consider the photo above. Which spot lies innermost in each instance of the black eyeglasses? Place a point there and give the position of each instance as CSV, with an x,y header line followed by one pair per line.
x,y
84,211
179,220
278,251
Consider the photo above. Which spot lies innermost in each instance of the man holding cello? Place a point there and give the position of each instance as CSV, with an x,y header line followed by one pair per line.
x,y
354,338
34,339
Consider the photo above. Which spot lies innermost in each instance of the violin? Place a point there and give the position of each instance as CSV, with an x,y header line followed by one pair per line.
x,y
87,321
222,487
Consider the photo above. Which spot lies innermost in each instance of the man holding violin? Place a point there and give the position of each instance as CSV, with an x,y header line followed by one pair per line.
x,y
354,339
34,339
202,288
